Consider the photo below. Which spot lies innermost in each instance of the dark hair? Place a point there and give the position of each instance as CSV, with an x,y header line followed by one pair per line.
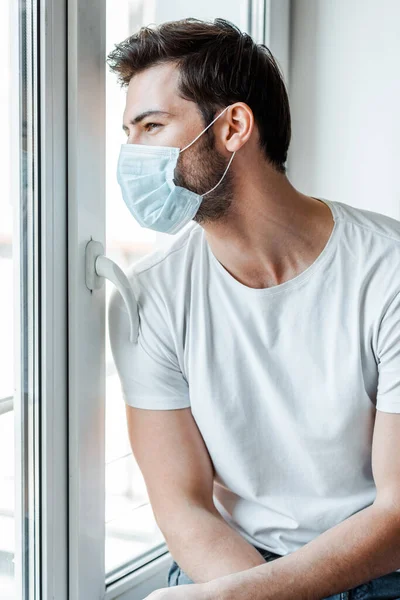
x,y
218,65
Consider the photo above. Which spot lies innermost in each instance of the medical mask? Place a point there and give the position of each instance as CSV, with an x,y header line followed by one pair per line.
x,y
145,174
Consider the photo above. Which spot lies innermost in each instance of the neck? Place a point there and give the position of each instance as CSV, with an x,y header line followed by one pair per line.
x,y
272,231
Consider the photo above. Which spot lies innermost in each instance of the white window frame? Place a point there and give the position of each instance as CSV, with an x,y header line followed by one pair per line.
x,y
54,301
86,322
44,489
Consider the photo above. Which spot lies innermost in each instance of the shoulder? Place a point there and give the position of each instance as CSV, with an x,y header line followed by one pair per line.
x,y
167,268
371,238
153,276
373,224
371,253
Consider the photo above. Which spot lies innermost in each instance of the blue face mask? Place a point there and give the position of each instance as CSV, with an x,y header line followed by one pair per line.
x,y
145,174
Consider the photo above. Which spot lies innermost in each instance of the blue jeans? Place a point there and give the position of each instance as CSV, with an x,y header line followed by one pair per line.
x,y
386,587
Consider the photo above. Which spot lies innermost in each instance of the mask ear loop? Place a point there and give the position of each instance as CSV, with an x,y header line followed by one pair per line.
x,y
229,164
201,133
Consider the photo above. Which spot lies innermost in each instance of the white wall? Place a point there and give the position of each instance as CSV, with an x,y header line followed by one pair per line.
x,y
235,11
344,86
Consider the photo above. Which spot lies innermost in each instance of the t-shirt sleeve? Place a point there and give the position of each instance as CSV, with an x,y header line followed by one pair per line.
x,y
388,394
148,369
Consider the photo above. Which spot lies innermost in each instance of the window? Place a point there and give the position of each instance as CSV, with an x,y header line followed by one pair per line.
x,y
19,318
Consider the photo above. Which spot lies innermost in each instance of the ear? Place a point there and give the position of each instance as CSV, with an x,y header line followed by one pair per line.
x,y
238,126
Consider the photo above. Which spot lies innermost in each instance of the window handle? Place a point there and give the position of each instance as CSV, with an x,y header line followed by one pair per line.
x,y
98,268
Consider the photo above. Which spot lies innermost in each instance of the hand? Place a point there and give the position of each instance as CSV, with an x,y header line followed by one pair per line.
x,y
192,591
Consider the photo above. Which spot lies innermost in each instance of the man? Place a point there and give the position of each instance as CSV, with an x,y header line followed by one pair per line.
x,y
263,392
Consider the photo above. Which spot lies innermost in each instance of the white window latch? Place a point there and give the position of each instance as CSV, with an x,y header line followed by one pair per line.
x,y
99,267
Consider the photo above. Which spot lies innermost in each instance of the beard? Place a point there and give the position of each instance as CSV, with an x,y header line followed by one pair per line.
x,y
203,168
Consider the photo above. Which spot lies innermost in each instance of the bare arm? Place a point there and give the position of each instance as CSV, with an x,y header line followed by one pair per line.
x,y
178,473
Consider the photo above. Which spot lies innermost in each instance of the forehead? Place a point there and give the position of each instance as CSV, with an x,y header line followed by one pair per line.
x,y
153,87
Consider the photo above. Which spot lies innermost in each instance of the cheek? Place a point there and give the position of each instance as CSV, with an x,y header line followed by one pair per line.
x,y
187,169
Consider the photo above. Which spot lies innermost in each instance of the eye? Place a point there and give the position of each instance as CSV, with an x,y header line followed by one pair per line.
x,y
150,126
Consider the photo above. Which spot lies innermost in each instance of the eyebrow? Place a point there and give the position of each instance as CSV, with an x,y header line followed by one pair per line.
x,y
145,114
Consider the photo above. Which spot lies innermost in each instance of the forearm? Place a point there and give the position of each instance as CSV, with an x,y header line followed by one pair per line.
x,y
363,547
205,546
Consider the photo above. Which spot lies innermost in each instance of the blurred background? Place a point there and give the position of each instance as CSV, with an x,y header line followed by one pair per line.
x,y
340,62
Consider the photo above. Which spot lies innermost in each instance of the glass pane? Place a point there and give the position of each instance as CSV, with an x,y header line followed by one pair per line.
x,y
18,322
131,531
7,505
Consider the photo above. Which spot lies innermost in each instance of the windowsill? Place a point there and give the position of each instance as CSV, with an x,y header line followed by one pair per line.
x,y
143,579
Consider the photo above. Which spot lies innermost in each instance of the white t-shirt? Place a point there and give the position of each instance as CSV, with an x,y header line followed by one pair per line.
x,y
283,382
